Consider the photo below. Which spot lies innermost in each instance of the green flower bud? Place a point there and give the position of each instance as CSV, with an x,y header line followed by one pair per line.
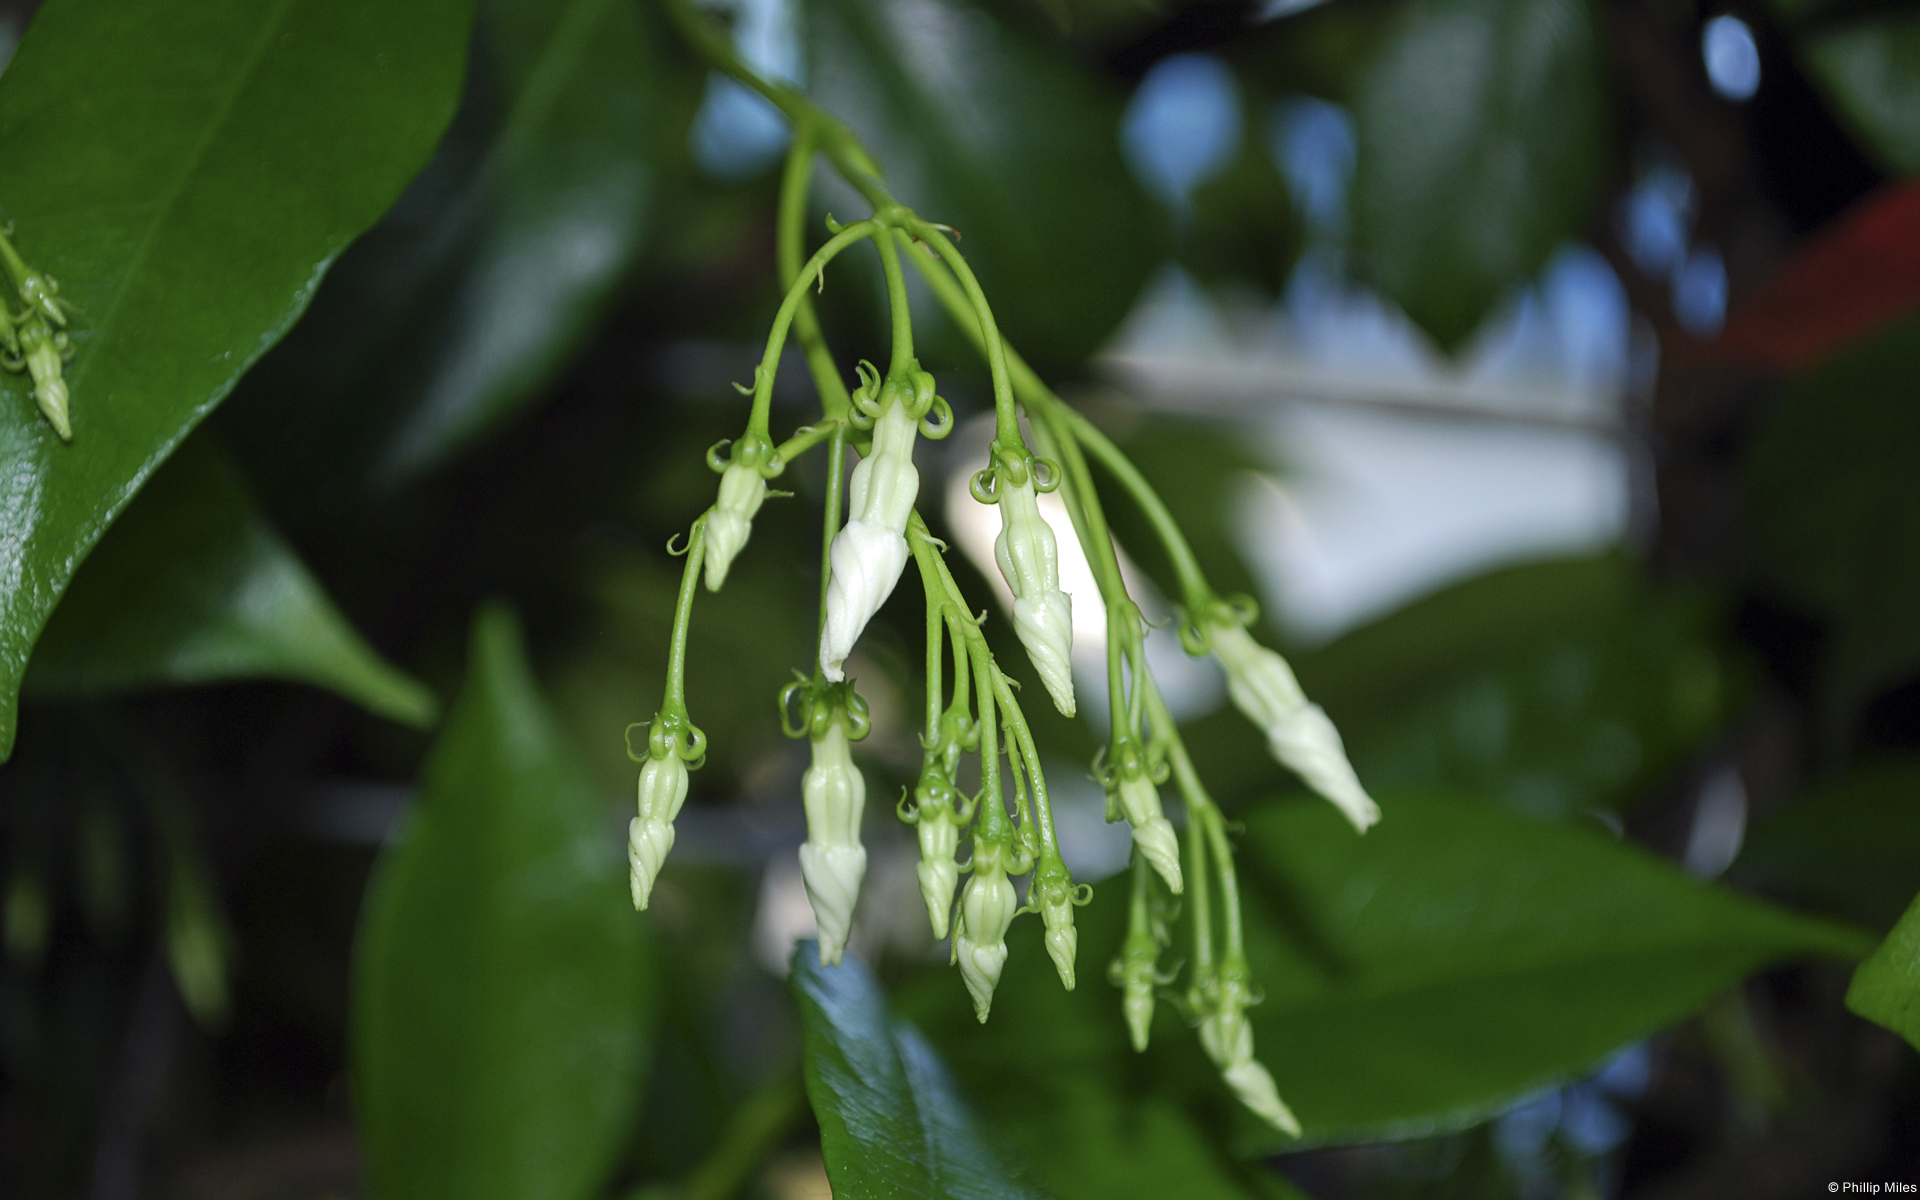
x,y
1029,560
1299,734
663,789
986,909
938,873
1052,893
1139,802
832,860
43,350
742,490
1135,973
1227,1037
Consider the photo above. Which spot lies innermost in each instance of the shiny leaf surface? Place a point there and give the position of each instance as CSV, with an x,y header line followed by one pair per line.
x,y
168,165
1480,129
1422,977
1886,988
891,1121
192,585
503,984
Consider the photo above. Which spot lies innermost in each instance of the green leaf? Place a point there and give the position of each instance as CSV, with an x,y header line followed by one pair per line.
x,y
1480,131
891,1121
1886,988
1871,70
946,95
187,172
503,986
1421,977
1850,847
1834,508
193,586
456,311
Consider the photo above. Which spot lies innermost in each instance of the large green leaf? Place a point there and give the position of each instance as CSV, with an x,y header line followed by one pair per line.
x,y
1886,988
503,985
457,309
1420,977
1834,509
1850,847
193,586
1481,131
187,172
1871,69
1011,140
891,1121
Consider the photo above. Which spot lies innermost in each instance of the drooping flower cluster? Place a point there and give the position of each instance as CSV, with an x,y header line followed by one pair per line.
x,y
976,841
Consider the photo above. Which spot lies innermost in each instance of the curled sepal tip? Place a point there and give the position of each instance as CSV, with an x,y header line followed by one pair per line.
x,y
986,909
1029,560
1299,734
832,860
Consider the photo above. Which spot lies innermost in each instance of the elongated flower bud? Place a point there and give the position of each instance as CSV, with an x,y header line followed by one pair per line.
x,y
1300,735
1140,804
663,788
937,871
986,909
870,551
1052,893
1135,974
742,491
1029,559
832,860
1227,1037
41,347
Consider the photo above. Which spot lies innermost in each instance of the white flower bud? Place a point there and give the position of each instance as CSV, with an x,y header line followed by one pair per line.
x,y
1254,1087
742,491
870,550
41,348
832,860
1029,559
1300,735
980,943
1140,803
1055,901
1227,1037
938,872
663,788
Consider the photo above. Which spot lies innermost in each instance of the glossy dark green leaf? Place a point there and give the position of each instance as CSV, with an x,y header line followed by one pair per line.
x,y
459,307
1418,978
503,984
1849,847
188,173
1870,68
1008,138
891,1121
1481,133
192,585
1886,988
1834,510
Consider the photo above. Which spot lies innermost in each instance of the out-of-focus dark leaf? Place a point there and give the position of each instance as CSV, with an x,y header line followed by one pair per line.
x,y
1418,978
891,1121
193,586
1834,508
188,173
503,984
1849,848
984,127
1886,988
1481,129
1196,468
1246,228
1870,68
454,312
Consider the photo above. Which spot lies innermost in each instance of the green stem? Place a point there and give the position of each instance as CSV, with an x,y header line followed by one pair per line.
x,y
897,304
754,1130
1007,418
806,438
777,336
806,323
676,697
936,621
836,469
1204,819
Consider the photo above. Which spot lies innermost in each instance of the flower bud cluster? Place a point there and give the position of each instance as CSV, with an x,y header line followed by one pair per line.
x,y
1300,734
870,551
1221,1003
832,860
1029,560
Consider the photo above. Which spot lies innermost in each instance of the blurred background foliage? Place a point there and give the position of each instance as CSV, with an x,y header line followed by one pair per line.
x,y
1543,366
